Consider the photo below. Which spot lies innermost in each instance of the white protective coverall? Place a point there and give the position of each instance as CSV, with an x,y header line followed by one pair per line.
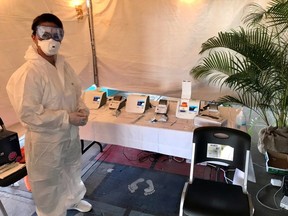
x,y
42,96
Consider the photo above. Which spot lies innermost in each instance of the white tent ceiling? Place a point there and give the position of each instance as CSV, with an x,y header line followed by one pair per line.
x,y
146,46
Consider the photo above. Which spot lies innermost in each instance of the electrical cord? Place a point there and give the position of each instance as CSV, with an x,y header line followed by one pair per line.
x,y
153,157
180,160
150,156
274,198
258,193
141,159
227,180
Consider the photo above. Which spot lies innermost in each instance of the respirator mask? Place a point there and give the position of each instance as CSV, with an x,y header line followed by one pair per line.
x,y
51,38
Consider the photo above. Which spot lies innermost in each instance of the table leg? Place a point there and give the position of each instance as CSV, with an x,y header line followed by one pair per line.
x,y
89,146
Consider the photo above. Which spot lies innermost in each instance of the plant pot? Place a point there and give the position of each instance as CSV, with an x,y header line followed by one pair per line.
x,y
273,139
276,163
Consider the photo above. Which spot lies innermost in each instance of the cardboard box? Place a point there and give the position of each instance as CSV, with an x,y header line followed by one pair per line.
x,y
276,163
205,120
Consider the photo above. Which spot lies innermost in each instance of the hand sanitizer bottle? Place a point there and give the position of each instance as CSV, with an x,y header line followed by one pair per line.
x,y
240,119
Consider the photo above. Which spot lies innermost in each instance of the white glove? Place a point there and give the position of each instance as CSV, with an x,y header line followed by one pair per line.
x,y
78,118
85,111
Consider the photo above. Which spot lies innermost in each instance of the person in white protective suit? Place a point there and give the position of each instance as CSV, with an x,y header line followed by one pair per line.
x,y
46,95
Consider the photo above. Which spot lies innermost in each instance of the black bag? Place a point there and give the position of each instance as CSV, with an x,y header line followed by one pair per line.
x,y
9,146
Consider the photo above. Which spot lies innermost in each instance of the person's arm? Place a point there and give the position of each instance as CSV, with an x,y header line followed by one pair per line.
x,y
81,107
25,90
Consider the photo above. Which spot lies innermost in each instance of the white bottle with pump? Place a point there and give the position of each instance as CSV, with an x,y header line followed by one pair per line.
x,y
240,119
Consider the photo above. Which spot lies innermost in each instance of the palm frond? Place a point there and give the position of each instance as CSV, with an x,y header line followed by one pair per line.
x,y
247,100
252,61
276,15
216,67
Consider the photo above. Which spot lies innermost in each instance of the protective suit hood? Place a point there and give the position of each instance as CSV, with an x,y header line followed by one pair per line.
x,y
31,53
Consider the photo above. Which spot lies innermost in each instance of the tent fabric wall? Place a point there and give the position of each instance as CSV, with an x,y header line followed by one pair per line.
x,y
150,46
146,46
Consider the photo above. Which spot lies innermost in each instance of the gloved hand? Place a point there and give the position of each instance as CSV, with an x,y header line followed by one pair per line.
x,y
84,111
78,118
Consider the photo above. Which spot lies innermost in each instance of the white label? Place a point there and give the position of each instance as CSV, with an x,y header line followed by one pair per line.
x,y
219,151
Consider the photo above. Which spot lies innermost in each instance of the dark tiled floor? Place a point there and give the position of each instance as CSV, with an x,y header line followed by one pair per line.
x,y
19,197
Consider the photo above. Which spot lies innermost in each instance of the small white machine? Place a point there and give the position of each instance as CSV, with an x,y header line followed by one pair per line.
x,y
162,107
137,103
95,99
117,102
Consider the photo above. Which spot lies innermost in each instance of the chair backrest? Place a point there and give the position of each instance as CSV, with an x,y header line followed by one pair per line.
x,y
221,145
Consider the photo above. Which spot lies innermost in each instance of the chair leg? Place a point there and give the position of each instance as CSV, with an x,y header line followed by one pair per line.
x,y
3,209
183,198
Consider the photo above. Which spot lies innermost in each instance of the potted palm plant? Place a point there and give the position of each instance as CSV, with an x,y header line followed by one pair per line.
x,y
252,60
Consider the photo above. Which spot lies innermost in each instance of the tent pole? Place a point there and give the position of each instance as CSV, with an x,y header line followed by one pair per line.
x,y
92,38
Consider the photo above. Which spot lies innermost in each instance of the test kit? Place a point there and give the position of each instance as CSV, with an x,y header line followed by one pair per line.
x,y
137,103
94,99
186,107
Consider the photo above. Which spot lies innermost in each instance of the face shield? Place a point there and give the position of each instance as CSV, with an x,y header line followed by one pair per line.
x,y
47,32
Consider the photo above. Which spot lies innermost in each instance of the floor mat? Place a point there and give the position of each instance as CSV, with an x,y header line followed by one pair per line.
x,y
144,159
137,189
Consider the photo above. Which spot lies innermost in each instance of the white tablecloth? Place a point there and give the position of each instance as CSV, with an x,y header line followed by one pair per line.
x,y
173,137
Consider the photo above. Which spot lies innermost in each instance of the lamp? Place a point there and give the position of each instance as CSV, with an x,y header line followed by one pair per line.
x,y
77,4
79,12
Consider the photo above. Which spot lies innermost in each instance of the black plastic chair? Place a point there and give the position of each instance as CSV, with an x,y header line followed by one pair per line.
x,y
225,148
9,180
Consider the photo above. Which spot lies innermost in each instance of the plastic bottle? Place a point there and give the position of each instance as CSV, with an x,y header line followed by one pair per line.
x,y
240,119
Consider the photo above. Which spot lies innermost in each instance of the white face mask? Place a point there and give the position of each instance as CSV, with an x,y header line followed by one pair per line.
x,y
49,47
